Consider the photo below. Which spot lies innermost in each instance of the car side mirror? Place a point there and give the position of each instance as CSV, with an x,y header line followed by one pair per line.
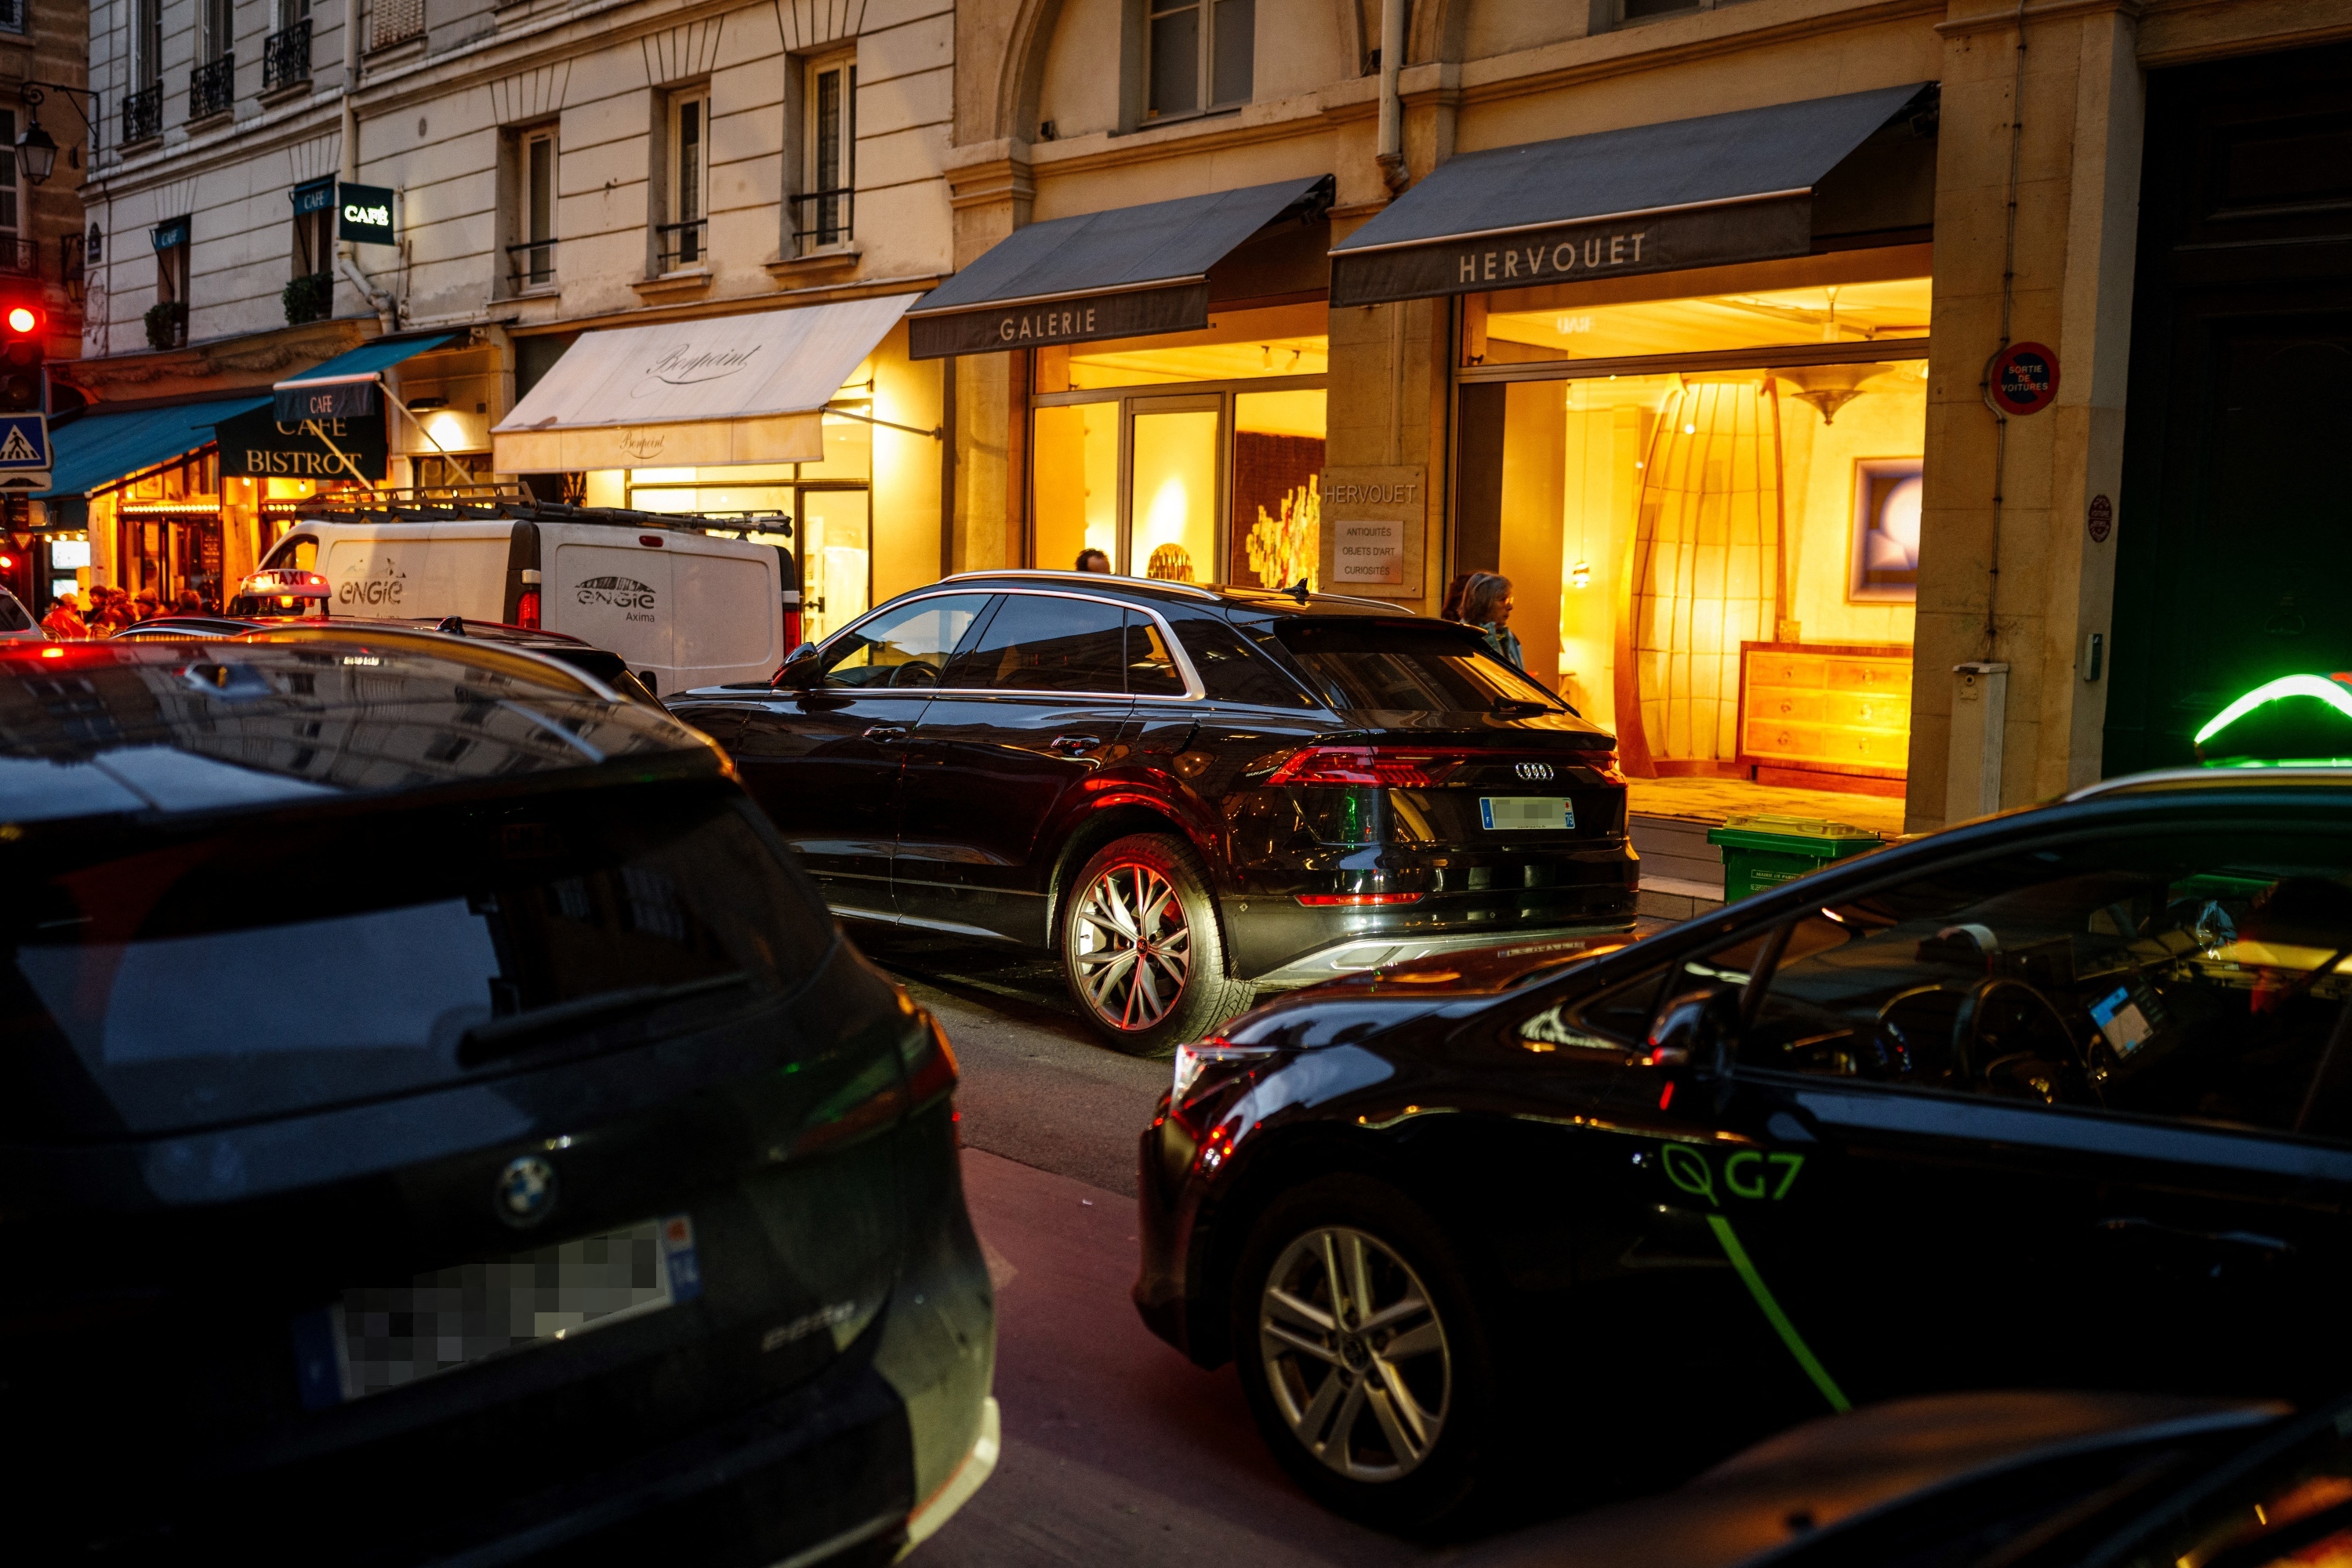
x,y
1694,1031
801,670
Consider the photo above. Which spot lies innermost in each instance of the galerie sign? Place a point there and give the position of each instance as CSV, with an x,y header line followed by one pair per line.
x,y
1373,519
1127,314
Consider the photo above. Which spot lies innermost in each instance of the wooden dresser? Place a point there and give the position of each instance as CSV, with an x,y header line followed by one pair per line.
x,y
1826,715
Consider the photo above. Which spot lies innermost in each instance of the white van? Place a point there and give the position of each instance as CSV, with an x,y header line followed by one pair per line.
x,y
684,609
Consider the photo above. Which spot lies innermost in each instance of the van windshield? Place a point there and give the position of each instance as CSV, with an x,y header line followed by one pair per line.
x,y
273,964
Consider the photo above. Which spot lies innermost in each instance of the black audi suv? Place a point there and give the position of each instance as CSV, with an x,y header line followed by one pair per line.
x,y
442,1124
2059,1098
1185,792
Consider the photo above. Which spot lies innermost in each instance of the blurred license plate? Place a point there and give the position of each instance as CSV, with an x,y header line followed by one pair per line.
x,y
1503,812
384,1337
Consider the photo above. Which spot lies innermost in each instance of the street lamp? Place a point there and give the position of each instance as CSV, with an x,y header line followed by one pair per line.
x,y
37,152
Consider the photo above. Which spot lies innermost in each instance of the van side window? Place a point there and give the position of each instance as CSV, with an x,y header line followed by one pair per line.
x,y
299,553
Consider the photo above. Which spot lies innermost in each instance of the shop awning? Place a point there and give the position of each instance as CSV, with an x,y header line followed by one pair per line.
x,y
1651,198
1123,273
724,389
99,448
345,384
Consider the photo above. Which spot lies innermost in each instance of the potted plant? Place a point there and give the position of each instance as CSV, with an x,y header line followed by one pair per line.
x,y
309,298
167,323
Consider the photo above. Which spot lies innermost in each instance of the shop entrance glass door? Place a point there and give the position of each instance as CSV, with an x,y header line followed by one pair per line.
x,y
1174,445
836,557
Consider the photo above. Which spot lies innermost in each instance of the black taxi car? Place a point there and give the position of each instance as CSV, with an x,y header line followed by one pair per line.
x,y
1183,792
440,1124
2061,1097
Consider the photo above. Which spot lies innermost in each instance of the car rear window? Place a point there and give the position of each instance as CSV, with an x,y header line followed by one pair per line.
x,y
275,963
14,616
1403,668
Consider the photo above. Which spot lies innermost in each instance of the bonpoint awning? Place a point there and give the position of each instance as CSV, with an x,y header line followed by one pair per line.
x,y
1123,273
705,393
1707,192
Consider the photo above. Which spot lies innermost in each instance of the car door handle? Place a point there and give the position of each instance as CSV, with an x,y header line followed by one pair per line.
x,y
887,732
1074,745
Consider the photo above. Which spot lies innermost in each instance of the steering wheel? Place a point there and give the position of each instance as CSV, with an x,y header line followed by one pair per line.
x,y
2003,1029
915,672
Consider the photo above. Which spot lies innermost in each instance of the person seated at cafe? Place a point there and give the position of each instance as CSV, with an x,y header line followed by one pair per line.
x,y
145,605
64,622
1093,561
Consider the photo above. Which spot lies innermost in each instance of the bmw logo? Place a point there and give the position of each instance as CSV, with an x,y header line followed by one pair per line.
x,y
525,1192
1535,773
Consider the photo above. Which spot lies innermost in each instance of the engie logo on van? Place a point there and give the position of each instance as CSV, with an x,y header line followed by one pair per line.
x,y
377,582
621,593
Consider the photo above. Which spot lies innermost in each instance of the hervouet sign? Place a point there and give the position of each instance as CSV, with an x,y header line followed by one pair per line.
x,y
1374,521
1125,313
1662,241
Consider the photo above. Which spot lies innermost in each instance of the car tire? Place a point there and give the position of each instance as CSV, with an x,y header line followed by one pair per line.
x,y
1375,1234
1148,983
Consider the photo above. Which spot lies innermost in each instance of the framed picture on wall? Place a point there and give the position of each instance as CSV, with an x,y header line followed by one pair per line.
x,y
1885,548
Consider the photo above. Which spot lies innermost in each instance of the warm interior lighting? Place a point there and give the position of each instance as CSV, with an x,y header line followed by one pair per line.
x,y
1581,575
1322,901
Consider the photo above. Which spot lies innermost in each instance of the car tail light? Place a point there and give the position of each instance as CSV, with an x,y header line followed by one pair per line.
x,y
1602,762
931,1070
1386,767
1322,901
527,603
791,628
1207,1065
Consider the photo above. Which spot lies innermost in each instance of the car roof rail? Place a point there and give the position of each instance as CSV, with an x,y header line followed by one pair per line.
x,y
1094,579
2219,776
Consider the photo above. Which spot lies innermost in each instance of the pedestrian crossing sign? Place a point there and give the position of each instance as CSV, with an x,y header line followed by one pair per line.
x,y
24,442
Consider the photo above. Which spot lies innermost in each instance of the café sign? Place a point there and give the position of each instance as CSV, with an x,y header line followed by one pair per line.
x,y
1666,240
259,445
365,212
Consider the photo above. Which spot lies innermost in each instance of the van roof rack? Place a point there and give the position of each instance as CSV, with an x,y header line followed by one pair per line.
x,y
513,502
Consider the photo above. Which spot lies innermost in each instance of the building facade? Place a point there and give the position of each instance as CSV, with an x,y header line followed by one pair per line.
x,y
1813,368
478,185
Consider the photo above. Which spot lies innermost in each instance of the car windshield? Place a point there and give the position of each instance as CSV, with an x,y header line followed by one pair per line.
x,y
1403,668
284,962
14,617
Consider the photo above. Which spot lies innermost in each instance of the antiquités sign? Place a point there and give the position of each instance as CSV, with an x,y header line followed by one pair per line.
x,y
1566,253
1128,314
258,444
1373,519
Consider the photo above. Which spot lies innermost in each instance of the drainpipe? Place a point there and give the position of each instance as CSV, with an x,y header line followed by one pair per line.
x,y
1392,154
387,310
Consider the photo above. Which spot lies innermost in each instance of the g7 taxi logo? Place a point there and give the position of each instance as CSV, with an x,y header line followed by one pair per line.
x,y
1750,1173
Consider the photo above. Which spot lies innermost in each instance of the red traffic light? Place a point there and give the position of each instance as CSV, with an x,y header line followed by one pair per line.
x,y
24,319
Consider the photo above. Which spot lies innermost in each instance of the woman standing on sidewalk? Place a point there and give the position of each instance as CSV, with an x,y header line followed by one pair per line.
x,y
1487,604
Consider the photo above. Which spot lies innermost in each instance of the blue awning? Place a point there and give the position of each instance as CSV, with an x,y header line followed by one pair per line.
x,y
347,382
99,448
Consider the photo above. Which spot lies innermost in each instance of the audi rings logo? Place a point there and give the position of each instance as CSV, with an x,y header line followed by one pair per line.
x,y
1535,773
525,1192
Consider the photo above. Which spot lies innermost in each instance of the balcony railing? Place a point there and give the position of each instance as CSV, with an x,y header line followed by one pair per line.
x,y
285,55
212,87
681,243
143,114
822,218
394,22
20,258
530,264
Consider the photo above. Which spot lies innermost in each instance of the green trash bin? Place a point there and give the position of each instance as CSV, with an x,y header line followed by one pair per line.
x,y
1761,850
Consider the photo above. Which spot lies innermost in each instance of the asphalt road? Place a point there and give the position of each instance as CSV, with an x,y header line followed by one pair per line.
x,y
1117,1449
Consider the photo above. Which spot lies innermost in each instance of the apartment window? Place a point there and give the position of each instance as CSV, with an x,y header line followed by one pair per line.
x,y
823,212
532,255
147,42
683,241
1201,54
218,20
15,253
314,228
1642,10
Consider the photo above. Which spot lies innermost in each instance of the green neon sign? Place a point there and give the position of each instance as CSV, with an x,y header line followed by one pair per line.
x,y
2328,691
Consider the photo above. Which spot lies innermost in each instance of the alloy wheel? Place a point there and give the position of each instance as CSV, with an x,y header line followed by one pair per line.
x,y
1133,945
1355,1354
